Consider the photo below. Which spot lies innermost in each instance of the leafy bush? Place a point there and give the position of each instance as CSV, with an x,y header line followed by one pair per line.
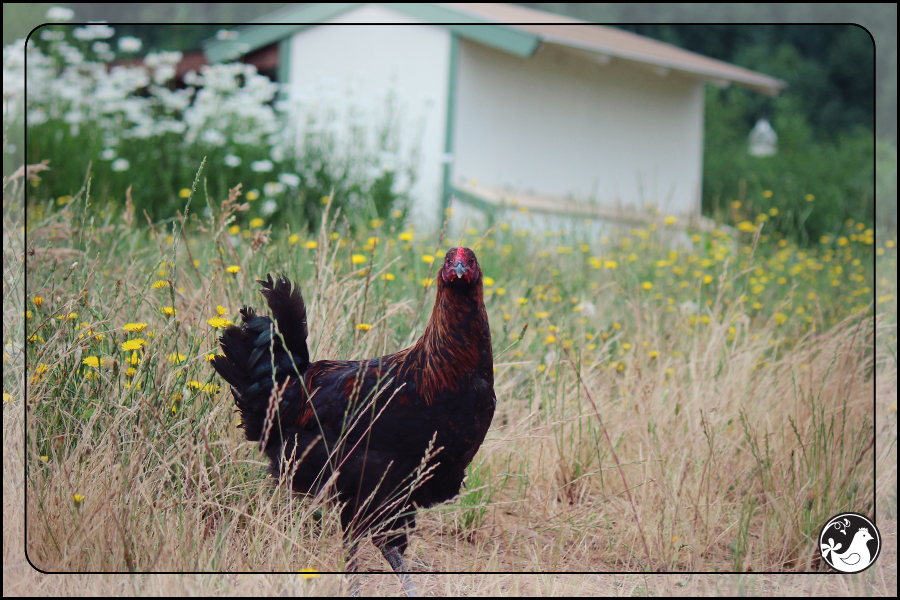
x,y
813,184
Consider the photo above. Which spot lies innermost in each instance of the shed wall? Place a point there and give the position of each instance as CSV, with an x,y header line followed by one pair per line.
x,y
560,123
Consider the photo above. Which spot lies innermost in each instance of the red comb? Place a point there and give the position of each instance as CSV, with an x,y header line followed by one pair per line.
x,y
461,254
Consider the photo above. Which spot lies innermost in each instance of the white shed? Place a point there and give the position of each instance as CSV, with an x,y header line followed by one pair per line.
x,y
509,106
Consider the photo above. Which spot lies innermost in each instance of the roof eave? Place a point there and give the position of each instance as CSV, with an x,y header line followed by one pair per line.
x,y
761,83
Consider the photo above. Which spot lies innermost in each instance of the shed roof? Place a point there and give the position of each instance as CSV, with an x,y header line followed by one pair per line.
x,y
514,29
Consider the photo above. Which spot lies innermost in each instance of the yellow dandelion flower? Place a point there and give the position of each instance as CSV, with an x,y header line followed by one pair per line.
x,y
94,361
427,281
500,291
27,314
78,498
670,220
294,238
221,310
707,278
219,322
550,339
309,573
184,193
427,258
647,285
252,195
488,281
654,354
523,301
540,315
358,259
388,276
134,327
364,327
233,269
159,284
257,222
38,300
234,229
7,398
780,318
168,311
312,245
324,199
134,358
134,344
610,264
176,358
406,236
810,197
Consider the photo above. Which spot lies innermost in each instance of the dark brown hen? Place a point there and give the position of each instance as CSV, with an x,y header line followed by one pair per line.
x,y
393,432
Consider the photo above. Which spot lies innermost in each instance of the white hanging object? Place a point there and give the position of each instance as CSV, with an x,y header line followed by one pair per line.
x,y
763,139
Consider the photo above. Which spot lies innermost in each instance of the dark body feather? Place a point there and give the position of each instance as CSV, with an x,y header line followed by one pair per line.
x,y
369,423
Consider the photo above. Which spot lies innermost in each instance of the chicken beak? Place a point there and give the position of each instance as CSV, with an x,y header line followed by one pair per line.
x,y
459,268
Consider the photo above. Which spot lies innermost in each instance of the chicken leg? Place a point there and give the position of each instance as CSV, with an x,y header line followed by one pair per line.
x,y
395,559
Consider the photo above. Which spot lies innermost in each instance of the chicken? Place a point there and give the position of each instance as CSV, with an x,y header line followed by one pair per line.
x,y
391,433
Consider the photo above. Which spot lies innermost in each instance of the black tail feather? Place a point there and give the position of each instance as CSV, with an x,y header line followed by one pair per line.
x,y
290,313
251,352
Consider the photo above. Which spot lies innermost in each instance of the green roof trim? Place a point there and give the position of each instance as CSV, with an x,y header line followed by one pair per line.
x,y
286,22
502,37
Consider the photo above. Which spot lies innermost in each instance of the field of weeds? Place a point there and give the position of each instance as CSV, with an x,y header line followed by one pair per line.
x,y
700,408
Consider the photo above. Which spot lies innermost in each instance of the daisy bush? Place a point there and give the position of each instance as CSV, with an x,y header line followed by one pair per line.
x,y
93,111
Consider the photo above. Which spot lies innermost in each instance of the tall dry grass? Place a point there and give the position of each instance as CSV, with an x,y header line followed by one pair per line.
x,y
725,455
